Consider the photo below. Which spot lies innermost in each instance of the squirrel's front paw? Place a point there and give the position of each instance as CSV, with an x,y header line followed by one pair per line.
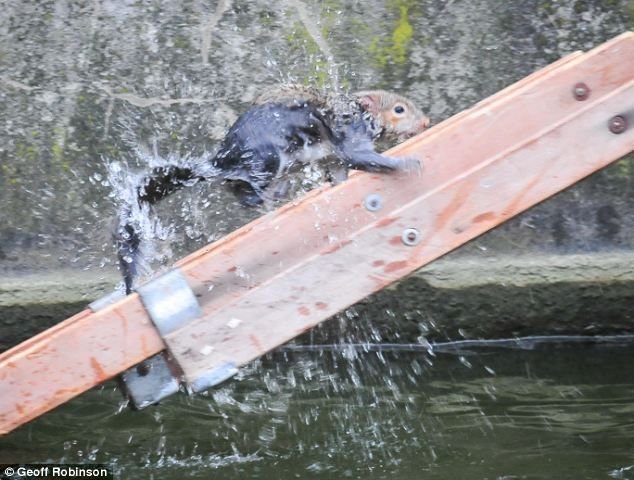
x,y
410,165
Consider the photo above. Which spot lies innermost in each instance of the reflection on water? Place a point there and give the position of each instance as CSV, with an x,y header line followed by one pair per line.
x,y
563,412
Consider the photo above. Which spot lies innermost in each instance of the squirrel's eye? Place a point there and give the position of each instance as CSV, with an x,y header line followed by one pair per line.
x,y
399,109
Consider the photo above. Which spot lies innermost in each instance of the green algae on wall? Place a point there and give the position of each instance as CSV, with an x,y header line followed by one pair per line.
x,y
393,49
622,172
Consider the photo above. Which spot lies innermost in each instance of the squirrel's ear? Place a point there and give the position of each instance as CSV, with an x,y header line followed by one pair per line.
x,y
370,103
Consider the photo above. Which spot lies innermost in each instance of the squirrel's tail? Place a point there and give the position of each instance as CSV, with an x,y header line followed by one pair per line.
x,y
150,189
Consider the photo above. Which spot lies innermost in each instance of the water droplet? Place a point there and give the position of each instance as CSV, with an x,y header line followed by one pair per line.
x,y
465,362
234,322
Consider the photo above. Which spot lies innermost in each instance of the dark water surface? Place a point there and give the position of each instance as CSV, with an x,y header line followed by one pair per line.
x,y
550,412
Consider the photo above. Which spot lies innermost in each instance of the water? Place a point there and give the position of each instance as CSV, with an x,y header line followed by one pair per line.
x,y
550,412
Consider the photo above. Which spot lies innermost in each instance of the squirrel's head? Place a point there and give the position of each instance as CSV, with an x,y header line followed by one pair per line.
x,y
398,116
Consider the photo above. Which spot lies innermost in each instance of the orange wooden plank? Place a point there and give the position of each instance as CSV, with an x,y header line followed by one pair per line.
x,y
72,357
373,257
329,219
356,262
284,272
238,263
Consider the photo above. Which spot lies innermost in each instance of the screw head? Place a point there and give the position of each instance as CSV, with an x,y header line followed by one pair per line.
x,y
373,202
410,237
143,369
617,124
581,91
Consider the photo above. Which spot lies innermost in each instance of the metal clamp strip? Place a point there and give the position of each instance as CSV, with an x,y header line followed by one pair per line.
x,y
106,300
212,378
170,301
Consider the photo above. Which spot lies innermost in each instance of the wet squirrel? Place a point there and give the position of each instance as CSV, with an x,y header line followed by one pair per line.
x,y
285,129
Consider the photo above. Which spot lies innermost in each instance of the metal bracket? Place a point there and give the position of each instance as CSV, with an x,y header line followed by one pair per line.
x,y
171,304
150,381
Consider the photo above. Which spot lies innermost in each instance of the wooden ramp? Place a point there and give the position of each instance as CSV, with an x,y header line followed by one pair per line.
x,y
282,274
